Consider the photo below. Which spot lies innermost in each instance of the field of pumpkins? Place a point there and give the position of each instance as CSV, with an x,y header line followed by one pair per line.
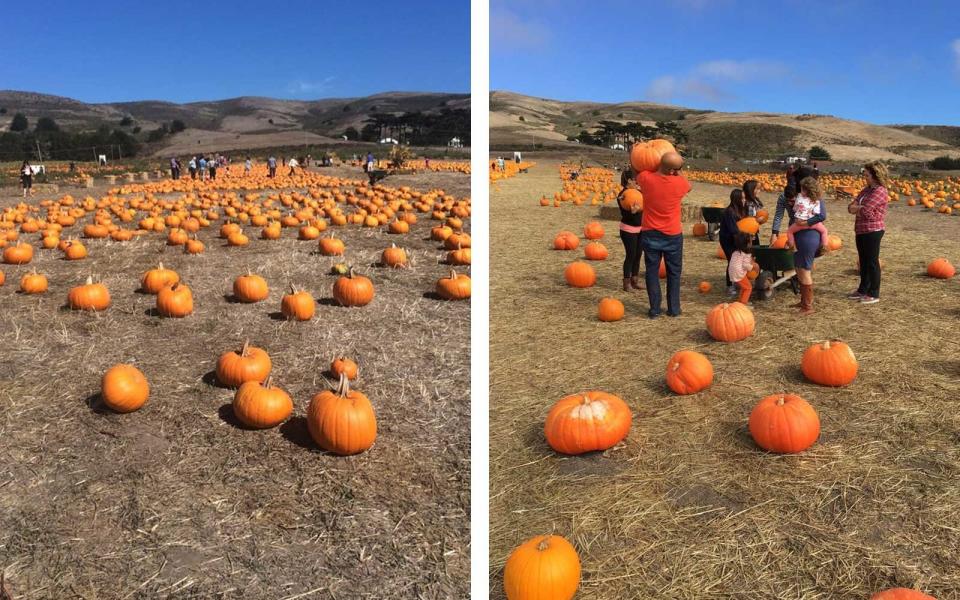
x,y
226,388
729,452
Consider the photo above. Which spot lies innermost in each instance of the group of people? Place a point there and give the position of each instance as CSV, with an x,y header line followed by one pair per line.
x,y
654,233
202,168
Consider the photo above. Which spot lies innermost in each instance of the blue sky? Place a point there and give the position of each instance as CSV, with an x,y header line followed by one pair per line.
x,y
878,61
106,51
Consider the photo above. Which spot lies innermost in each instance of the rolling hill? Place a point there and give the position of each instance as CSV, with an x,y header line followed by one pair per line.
x,y
522,120
245,122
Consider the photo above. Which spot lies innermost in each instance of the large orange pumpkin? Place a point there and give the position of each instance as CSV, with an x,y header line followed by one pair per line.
x,y
689,372
261,406
342,421
941,269
610,309
566,240
730,322
546,567
593,231
901,594
644,157
784,423
124,388
829,363
579,274
587,422
595,251
249,364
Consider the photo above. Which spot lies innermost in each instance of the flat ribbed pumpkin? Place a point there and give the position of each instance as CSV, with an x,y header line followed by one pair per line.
x,y
587,422
730,322
784,423
829,363
546,567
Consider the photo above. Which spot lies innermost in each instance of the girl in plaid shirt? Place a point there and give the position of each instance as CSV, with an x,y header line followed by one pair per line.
x,y
870,207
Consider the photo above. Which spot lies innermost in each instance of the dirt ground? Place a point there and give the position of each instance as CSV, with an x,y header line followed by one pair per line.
x,y
688,506
178,501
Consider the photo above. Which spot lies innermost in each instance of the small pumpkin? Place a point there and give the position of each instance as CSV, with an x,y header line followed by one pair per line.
x,y
901,594
834,242
342,421
261,405
730,322
353,290
250,288
393,257
155,280
748,225
237,238
632,198
587,422
454,287
829,363
566,240
19,254
546,567
75,250
249,364
175,301
595,251
610,309
297,305
699,229
31,283
593,231
704,287
124,388
941,268
331,246
460,256
89,296
193,246
784,423
344,366
689,372
780,241
580,275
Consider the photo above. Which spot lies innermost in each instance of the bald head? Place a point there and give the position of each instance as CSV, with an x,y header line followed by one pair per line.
x,y
670,162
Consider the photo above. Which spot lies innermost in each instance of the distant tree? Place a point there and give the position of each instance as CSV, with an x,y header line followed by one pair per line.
x,y
19,123
177,126
596,113
522,119
158,134
46,125
351,133
137,129
370,133
126,121
819,153
944,163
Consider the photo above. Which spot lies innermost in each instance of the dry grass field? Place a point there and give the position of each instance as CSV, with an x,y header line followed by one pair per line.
x,y
688,506
177,500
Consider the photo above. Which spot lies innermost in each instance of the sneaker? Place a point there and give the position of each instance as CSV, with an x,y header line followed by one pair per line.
x,y
855,295
869,300
732,290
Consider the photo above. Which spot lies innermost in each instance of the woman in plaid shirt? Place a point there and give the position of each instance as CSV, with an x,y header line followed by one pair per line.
x,y
870,207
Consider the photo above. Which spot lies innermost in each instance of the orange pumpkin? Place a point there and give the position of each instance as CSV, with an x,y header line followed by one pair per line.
x,y
124,388
689,372
580,275
829,363
730,322
546,567
587,422
342,421
595,251
610,309
261,406
784,423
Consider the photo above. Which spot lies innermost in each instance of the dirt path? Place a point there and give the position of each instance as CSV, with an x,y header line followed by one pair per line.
x,y
688,507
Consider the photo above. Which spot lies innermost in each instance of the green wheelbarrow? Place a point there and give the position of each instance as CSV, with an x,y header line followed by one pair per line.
x,y
776,269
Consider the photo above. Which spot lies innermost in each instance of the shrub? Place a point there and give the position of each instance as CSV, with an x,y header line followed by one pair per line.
x,y
819,153
944,163
19,123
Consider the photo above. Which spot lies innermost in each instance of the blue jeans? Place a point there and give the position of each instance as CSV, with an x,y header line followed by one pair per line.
x,y
670,247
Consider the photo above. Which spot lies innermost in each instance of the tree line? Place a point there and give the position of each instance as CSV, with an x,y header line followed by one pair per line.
x,y
415,128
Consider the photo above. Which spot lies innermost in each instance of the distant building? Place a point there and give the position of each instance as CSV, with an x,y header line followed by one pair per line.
x,y
618,147
455,143
389,141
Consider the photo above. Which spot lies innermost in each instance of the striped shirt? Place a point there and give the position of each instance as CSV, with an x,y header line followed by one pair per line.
x,y
873,209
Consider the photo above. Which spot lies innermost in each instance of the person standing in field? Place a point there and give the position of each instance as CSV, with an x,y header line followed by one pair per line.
x,y
662,236
202,165
247,166
727,235
870,208
272,166
631,217
26,178
293,165
174,168
212,165
370,162
501,164
752,201
192,167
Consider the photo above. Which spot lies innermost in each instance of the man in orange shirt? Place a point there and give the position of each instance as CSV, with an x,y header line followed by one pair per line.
x,y
662,236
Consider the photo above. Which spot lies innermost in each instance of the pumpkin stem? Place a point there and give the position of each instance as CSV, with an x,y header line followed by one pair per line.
x,y
543,545
350,273
826,345
246,345
586,399
160,265
90,279
343,390
780,401
453,274
266,384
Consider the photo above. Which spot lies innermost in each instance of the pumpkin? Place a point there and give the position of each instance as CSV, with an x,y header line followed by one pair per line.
x,y
901,594
462,257
730,322
644,157
699,229
31,283
177,237
353,290
784,423
748,225
754,272
829,363
238,239
662,271
308,232
546,567
721,253
398,227
455,287
261,406
344,366
662,146
331,246
155,280
610,309
124,388
780,241
939,268
762,216
249,364
566,240
250,288
580,275
175,301
75,250
587,422
632,198
595,251
704,287
19,254
193,246
689,372
297,305
393,257
89,296
834,242
457,240
593,231
342,421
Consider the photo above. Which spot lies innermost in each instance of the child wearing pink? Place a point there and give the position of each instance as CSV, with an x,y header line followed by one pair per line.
x,y
741,263
805,208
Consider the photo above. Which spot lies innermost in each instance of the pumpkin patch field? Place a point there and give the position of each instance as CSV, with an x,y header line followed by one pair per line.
x,y
812,457
242,388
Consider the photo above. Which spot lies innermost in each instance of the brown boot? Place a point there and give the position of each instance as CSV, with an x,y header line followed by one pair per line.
x,y
635,282
806,299
626,284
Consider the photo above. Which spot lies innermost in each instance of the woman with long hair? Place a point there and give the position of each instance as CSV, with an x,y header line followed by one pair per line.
x,y
870,208
631,216
736,210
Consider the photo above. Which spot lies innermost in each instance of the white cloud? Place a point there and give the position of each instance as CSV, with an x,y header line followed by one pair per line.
x,y
710,80
508,32
955,45
309,87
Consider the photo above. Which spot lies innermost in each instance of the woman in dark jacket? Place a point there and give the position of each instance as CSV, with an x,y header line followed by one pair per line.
x,y
735,211
752,203
631,216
